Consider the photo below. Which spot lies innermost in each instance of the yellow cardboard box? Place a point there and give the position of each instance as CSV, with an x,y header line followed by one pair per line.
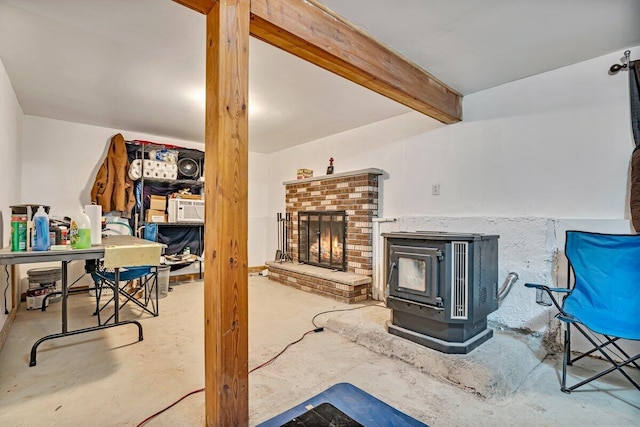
x,y
153,215
158,203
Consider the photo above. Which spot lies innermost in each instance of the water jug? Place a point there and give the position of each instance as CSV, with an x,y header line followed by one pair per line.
x,y
41,225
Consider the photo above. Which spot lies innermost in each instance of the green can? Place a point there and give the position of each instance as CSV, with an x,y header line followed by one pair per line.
x,y
18,233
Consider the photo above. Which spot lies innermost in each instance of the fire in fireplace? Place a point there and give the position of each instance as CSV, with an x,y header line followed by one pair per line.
x,y
321,239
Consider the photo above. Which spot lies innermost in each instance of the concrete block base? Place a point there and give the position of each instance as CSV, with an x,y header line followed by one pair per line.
x,y
495,369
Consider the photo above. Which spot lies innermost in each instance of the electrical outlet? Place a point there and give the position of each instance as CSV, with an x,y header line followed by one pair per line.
x,y
435,189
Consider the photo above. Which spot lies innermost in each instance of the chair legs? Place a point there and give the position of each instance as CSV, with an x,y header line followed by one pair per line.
x,y
147,301
600,348
566,358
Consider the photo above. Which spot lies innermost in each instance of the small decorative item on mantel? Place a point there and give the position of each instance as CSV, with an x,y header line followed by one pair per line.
x,y
304,173
330,167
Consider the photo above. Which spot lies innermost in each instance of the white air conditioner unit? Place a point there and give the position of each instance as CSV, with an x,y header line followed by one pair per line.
x,y
185,210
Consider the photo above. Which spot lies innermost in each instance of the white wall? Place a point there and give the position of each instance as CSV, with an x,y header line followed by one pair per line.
x,y
377,145
10,135
528,154
59,165
61,159
258,208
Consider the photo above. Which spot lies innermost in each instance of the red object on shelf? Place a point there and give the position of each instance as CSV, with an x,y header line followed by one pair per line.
x,y
143,142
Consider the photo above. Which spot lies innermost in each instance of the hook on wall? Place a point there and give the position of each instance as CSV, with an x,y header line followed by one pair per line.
x,y
625,63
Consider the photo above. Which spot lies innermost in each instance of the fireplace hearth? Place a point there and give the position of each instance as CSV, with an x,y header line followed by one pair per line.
x,y
321,239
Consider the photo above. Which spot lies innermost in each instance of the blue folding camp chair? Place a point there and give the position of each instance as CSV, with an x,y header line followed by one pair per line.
x,y
138,285
604,299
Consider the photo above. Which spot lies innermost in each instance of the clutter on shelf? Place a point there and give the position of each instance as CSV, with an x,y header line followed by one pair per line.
x,y
168,188
180,258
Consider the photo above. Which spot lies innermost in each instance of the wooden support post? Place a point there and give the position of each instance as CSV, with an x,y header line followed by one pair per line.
x,y
226,188
311,32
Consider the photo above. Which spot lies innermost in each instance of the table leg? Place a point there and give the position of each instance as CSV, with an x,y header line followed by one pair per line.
x,y
32,361
66,333
65,294
116,296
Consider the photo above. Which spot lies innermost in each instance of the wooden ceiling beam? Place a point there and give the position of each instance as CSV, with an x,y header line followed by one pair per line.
x,y
316,34
202,6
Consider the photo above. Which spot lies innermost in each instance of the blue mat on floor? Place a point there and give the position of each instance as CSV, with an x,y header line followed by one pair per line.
x,y
355,403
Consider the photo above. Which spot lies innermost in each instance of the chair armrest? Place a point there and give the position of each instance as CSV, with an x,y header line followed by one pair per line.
x,y
549,291
536,286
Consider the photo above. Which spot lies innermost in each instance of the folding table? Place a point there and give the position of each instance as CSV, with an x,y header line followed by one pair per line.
x,y
123,251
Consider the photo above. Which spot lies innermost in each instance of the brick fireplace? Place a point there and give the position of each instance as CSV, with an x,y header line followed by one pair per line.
x,y
355,193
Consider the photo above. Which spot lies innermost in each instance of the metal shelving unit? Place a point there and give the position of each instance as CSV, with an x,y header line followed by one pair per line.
x,y
194,184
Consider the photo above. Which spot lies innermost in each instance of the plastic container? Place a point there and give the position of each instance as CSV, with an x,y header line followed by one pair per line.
x,y
64,235
41,225
80,232
163,281
27,209
54,235
18,233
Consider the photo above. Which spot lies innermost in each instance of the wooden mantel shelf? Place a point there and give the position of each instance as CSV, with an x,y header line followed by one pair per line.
x,y
370,171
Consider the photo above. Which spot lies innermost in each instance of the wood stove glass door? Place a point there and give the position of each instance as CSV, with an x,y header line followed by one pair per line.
x,y
417,274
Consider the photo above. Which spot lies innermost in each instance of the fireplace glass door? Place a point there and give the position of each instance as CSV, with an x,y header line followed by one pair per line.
x,y
321,239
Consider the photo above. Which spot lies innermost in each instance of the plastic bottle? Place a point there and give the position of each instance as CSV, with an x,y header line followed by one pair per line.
x,y
41,225
64,235
80,232
18,233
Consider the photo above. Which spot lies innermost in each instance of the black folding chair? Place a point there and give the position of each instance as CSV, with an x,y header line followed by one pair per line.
x,y
604,299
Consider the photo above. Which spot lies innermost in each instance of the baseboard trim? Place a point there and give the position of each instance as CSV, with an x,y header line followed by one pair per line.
x,y
196,276
256,269
4,333
185,277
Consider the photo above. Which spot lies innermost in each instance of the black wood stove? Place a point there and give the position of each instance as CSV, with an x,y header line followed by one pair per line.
x,y
441,287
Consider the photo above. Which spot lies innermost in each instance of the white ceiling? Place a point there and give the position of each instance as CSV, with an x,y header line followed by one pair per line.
x,y
138,65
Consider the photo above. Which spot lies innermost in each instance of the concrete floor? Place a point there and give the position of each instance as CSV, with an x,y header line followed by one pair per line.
x,y
106,378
